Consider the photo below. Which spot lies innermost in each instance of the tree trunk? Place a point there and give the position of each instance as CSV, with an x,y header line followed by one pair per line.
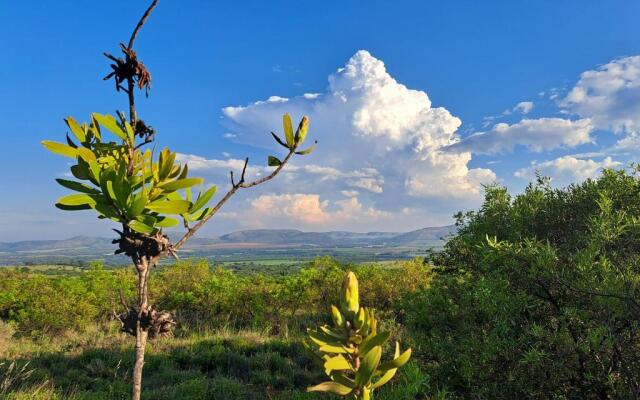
x,y
142,266
141,342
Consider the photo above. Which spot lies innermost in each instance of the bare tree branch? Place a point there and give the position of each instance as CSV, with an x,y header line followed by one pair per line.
x,y
130,83
144,18
234,188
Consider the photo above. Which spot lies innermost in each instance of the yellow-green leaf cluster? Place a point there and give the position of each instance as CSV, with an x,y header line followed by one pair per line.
x,y
351,349
292,139
123,183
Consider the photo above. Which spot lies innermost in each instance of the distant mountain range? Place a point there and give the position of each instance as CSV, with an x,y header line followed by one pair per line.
x,y
86,247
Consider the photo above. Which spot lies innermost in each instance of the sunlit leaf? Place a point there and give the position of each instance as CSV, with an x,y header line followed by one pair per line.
x,y
169,206
167,222
307,151
368,365
76,129
141,227
109,122
396,362
288,130
137,205
203,199
373,341
180,184
336,363
331,387
60,148
301,132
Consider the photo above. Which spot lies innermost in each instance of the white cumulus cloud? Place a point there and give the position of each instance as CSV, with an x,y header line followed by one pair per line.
x,y
524,107
609,96
366,119
309,211
567,169
535,134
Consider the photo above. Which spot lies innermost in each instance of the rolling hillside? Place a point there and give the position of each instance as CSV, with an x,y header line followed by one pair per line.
x,y
286,241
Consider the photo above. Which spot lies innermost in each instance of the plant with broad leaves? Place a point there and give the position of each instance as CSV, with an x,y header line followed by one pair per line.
x,y
125,184
351,350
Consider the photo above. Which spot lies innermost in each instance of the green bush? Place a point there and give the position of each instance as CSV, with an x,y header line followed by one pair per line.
x,y
538,295
201,297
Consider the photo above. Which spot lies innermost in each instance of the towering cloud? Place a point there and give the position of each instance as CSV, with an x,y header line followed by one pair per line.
x,y
366,119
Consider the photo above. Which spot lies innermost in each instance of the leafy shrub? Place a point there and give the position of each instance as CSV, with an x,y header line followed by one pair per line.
x,y
201,297
537,296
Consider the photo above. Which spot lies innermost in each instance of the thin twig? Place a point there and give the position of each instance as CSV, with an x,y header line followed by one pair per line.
x,y
234,188
141,22
130,84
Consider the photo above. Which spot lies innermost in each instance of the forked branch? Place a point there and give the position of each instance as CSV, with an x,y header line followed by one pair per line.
x,y
241,184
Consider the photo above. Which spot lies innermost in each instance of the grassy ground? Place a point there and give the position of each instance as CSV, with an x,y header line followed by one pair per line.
x,y
214,365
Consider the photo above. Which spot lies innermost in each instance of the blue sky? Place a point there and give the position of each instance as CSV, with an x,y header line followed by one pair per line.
x,y
508,86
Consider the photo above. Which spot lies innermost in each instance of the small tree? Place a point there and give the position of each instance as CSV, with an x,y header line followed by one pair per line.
x,y
351,350
123,182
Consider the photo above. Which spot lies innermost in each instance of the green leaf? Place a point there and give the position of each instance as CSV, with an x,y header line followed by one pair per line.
x,y
86,154
277,138
203,199
323,339
167,222
78,207
167,158
199,215
141,227
107,211
169,206
327,348
76,200
60,148
130,132
342,378
137,205
77,186
331,387
368,365
109,122
372,341
70,142
178,184
384,378
301,132
273,161
76,129
185,171
288,130
307,151
336,363
80,171
337,335
396,362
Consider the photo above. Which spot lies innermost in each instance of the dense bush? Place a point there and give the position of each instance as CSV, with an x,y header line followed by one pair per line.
x,y
201,297
37,303
539,295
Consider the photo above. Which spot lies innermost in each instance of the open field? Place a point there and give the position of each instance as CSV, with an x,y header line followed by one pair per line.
x,y
222,364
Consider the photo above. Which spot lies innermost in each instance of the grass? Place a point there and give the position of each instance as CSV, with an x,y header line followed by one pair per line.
x,y
212,365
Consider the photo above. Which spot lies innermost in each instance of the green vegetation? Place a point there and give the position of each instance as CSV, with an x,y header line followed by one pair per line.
x,y
239,335
351,350
538,296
